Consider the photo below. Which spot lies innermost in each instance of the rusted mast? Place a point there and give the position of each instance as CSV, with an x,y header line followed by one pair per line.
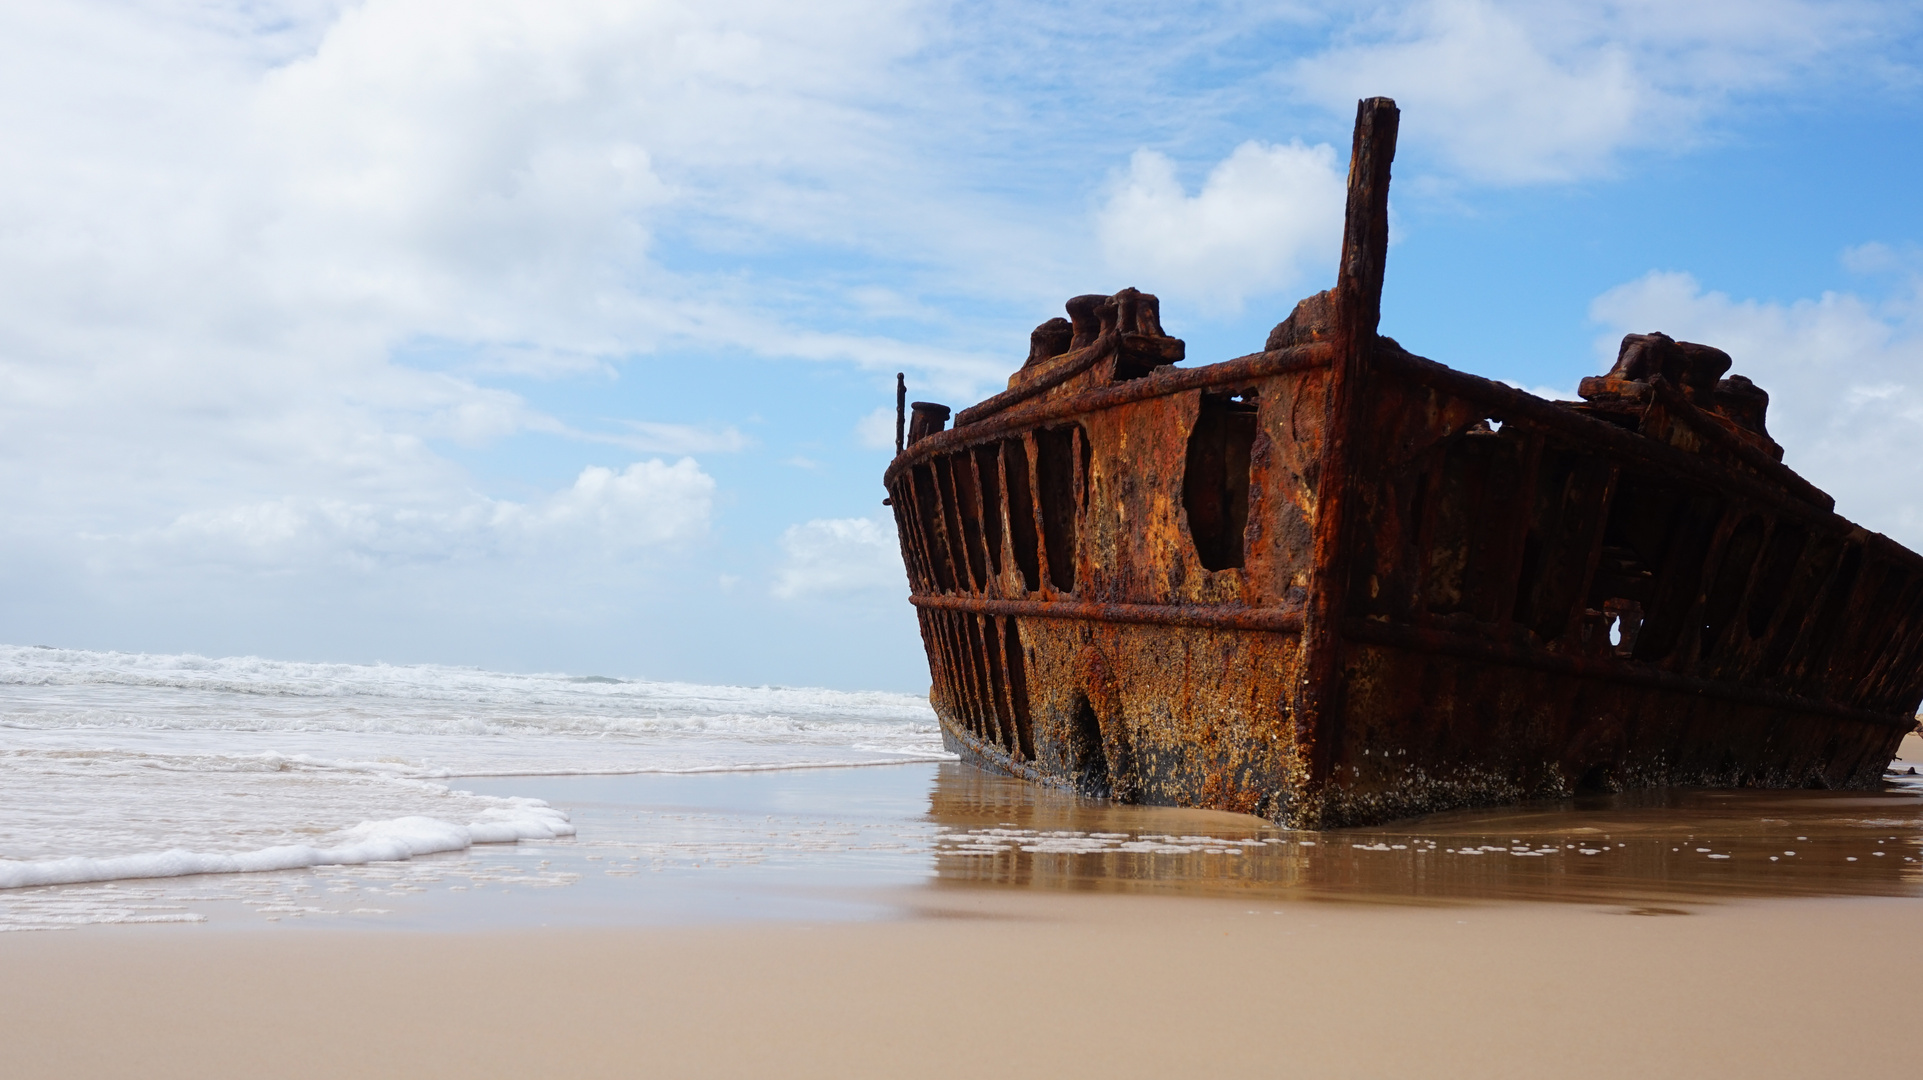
x,y
1358,307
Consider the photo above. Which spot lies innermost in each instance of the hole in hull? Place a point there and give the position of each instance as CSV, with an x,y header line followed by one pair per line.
x,y
1087,763
1021,514
1058,476
1215,482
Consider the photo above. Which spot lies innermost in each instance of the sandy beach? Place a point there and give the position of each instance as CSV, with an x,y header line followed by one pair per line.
x,y
1028,985
1346,956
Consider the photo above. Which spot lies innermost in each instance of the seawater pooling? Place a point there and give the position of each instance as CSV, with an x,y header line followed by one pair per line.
x,y
1680,846
691,803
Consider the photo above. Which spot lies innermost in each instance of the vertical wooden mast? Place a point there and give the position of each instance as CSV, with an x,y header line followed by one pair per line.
x,y
1358,303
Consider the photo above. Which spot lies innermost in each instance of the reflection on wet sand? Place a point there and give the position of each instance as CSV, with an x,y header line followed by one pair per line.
x,y
1635,848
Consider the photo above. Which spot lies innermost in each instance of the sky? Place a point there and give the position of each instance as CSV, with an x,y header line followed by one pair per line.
x,y
561,335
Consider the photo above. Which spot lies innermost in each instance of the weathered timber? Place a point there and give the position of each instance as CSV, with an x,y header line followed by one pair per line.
x,y
1336,583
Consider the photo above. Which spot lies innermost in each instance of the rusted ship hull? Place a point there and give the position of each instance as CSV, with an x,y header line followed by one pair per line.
x,y
1334,583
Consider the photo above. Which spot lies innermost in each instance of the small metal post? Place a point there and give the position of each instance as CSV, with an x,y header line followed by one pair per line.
x,y
901,408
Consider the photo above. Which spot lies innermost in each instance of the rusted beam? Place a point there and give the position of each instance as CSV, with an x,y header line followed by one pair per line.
x,y
1017,665
1512,403
996,657
1680,407
958,546
964,674
1024,548
916,537
1358,305
1201,616
1032,459
1365,222
927,516
1506,563
975,748
987,685
1429,640
1594,557
1163,381
1065,369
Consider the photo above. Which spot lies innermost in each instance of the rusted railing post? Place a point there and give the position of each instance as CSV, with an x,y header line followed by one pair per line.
x,y
901,409
1358,304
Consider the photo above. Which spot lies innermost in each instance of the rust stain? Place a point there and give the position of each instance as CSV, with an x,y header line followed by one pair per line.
x,y
1334,583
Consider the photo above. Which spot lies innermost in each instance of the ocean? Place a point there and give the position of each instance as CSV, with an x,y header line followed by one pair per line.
x,y
131,766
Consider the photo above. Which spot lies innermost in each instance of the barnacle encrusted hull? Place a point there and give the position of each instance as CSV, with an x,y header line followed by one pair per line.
x,y
1335,583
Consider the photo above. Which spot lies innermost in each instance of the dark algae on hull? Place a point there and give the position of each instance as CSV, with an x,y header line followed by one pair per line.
x,y
1334,583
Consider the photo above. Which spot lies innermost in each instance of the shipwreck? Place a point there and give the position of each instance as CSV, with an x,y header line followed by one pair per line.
x,y
1335,583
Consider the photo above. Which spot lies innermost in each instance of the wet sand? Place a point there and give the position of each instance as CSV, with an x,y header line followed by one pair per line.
x,y
1008,930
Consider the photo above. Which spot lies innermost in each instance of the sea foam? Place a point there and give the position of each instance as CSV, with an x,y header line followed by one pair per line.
x,y
370,841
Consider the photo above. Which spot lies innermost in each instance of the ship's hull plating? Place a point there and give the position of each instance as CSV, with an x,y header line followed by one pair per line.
x,y
1529,612
1531,734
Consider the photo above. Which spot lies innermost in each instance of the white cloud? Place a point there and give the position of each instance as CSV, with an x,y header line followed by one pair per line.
x,y
649,435
647,503
1260,216
606,512
1513,92
222,224
1549,393
1846,399
830,556
1472,76
1876,257
876,431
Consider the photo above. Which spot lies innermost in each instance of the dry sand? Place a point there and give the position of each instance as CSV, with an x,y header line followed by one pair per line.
x,y
997,983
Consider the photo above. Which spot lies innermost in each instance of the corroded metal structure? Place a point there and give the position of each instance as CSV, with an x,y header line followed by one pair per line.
x,y
1335,583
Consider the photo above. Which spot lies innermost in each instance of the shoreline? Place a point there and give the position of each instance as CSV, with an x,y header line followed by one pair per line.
x,y
653,849
944,922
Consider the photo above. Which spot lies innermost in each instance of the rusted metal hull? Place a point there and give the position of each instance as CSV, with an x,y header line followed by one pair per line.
x,y
1333,583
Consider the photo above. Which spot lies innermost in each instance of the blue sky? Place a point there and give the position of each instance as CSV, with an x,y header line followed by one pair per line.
x,y
562,336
